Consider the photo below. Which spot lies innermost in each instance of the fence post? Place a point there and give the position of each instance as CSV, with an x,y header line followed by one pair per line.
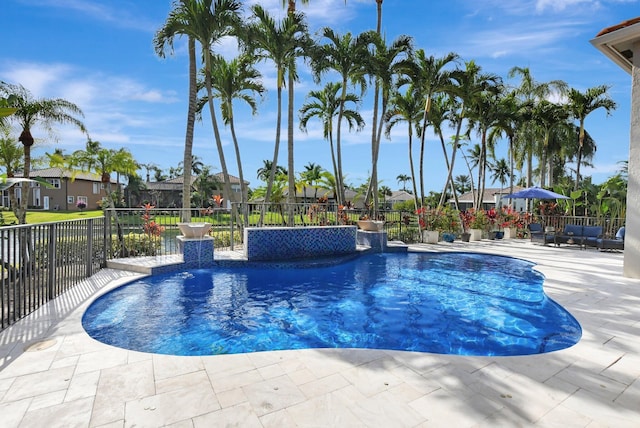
x,y
89,232
231,220
51,254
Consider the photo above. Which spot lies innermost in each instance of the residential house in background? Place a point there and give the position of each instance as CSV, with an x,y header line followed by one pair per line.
x,y
492,198
66,190
168,193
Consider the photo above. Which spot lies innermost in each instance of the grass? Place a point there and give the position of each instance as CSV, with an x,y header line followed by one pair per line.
x,y
37,216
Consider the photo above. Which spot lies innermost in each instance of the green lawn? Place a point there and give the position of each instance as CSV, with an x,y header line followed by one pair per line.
x,y
38,216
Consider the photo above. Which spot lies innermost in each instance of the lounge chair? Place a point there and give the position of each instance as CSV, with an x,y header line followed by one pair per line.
x,y
540,235
612,244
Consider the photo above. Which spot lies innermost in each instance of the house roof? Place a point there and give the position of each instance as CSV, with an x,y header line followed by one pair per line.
x,y
400,196
489,194
180,179
64,173
617,41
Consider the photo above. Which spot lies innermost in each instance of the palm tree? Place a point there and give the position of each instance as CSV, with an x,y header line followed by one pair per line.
x,y
581,104
548,117
430,76
103,162
235,79
386,65
406,108
325,105
500,172
403,178
346,55
470,85
264,172
462,183
206,21
30,112
281,43
178,23
311,175
530,91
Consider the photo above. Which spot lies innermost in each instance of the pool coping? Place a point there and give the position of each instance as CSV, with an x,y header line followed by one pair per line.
x,y
70,379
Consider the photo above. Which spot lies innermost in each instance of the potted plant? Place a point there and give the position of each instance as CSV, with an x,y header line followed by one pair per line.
x,y
450,224
476,222
509,220
430,224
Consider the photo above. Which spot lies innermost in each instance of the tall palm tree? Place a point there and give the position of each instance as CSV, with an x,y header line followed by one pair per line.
x,y
29,112
430,75
470,84
347,56
325,105
207,22
311,176
281,43
581,104
548,116
386,65
178,23
407,108
236,79
530,91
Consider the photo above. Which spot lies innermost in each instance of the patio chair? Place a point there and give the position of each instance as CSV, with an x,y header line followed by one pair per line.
x,y
612,244
539,234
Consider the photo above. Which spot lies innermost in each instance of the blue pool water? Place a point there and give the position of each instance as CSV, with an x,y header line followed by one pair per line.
x,y
452,303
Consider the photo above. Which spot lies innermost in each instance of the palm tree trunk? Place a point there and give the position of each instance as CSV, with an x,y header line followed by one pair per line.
x,y
243,187
216,132
274,163
188,140
291,197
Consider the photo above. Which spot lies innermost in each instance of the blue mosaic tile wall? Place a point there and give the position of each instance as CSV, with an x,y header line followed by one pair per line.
x,y
197,253
280,243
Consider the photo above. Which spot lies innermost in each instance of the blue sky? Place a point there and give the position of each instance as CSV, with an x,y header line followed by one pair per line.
x,y
99,55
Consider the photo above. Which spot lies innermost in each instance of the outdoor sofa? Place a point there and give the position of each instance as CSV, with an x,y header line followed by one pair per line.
x,y
612,244
584,236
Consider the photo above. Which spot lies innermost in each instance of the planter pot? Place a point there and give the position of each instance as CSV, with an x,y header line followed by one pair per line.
x,y
465,236
371,225
476,234
430,236
492,234
510,233
499,234
448,237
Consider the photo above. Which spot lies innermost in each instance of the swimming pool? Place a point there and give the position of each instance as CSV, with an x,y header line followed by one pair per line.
x,y
448,303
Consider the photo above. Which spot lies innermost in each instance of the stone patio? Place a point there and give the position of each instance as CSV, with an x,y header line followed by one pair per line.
x,y
52,374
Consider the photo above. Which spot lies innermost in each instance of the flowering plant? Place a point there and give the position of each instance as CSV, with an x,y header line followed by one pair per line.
x,y
440,219
475,219
81,205
508,217
149,225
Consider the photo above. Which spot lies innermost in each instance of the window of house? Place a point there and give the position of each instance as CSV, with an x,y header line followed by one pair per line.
x,y
96,188
55,182
83,199
70,199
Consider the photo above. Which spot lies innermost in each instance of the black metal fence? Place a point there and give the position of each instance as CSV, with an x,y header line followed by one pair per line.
x,y
41,261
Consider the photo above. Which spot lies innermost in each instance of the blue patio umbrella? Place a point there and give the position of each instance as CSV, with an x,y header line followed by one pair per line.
x,y
535,192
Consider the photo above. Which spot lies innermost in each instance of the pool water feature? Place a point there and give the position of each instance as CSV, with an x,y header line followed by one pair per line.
x,y
448,303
